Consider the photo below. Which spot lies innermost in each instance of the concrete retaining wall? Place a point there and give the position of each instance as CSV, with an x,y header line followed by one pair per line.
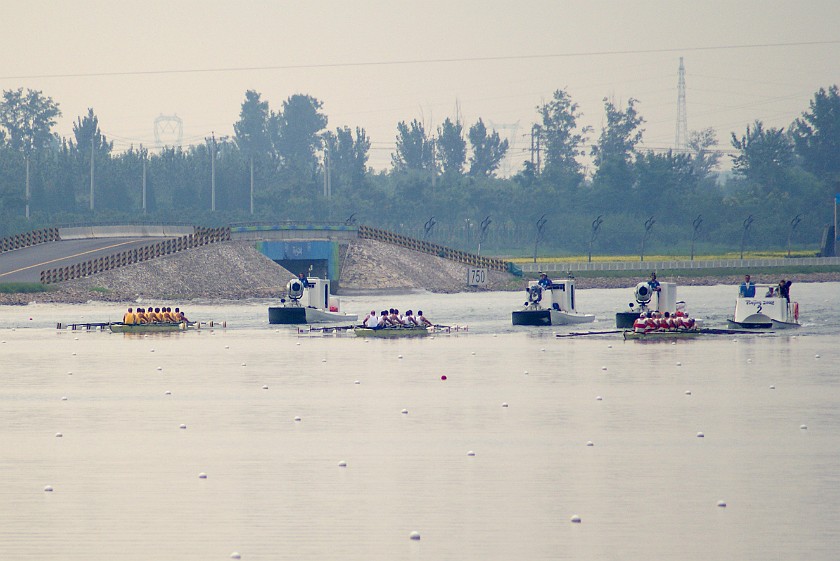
x,y
125,231
678,265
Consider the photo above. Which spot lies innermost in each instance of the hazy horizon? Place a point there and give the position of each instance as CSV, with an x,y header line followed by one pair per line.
x,y
374,64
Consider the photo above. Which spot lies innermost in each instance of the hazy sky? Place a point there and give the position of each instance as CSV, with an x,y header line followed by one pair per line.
x,y
375,63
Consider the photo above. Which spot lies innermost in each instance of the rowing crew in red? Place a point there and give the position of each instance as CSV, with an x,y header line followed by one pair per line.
x,y
656,321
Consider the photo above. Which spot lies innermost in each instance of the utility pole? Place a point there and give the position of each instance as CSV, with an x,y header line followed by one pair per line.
x,y
144,178
92,147
681,140
28,196
213,175
535,148
252,184
327,178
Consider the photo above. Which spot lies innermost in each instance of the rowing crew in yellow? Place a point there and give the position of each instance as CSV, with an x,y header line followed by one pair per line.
x,y
156,315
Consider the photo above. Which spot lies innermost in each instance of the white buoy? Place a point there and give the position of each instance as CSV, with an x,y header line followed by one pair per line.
x,y
75,338
803,427
243,364
749,361
48,488
298,343
297,419
721,504
673,342
64,398
470,453
227,347
473,353
342,464
541,350
405,411
590,443
400,356
167,392
772,387
504,404
74,354
526,372
323,360
815,356
414,535
58,435
609,346
202,475
598,398
357,382
69,373
182,426
603,368
700,435
679,364
160,368
575,518
687,392
265,387
151,350
235,555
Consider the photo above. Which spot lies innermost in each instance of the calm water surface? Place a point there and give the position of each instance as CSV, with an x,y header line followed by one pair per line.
x,y
126,477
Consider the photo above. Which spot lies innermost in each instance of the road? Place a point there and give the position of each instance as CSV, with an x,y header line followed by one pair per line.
x,y
25,265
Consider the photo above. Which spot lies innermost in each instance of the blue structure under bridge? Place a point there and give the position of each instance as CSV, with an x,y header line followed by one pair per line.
x,y
297,256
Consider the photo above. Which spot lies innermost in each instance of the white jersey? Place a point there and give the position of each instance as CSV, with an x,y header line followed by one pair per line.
x,y
370,320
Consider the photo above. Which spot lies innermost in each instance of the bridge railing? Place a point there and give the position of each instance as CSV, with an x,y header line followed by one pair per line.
x,y
366,232
28,239
202,237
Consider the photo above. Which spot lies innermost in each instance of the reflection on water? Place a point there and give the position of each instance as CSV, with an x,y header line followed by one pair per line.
x,y
125,476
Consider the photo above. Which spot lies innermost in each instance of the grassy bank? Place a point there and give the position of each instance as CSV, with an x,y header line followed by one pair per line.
x,y
23,288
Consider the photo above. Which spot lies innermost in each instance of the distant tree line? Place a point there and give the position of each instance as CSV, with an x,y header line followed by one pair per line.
x,y
286,164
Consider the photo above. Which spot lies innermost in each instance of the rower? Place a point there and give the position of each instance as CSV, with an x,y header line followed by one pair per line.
x,y
410,320
422,320
370,319
129,318
640,323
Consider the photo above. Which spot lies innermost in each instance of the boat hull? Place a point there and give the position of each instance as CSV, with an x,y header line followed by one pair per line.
x,y
392,332
290,315
749,324
658,335
549,317
147,327
624,320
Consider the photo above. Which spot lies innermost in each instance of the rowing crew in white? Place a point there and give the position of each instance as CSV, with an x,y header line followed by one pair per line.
x,y
393,318
656,321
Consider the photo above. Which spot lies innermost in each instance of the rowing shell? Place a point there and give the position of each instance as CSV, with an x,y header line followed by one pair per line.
x,y
389,332
147,327
655,335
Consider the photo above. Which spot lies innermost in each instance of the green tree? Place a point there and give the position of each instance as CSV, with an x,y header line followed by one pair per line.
x,y
816,135
413,149
348,157
451,148
763,155
297,135
27,119
616,149
561,139
488,151
251,130
701,144
88,135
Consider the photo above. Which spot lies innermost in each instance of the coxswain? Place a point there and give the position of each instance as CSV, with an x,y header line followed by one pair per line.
x,y
129,318
370,319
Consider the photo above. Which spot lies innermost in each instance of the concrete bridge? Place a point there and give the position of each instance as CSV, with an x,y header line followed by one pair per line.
x,y
58,254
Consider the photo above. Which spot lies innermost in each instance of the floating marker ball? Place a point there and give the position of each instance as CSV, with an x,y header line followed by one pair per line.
x,y
265,387
679,364
603,368
202,475
504,404
63,399
414,535
235,555
804,427
297,419
700,435
405,411
443,377
688,392
48,489
342,464
576,519
167,392
470,453
182,426
590,443
721,504
357,382
772,387
598,398
58,435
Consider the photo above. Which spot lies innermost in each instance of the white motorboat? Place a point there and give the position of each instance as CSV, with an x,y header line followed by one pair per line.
x,y
309,301
649,300
770,311
551,305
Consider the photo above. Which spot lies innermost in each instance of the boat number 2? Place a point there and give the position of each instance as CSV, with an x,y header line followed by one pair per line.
x,y
758,311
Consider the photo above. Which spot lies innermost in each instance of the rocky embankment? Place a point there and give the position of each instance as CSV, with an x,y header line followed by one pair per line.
x,y
236,270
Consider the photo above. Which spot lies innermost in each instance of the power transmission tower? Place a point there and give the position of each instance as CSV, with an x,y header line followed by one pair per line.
x,y
681,141
169,130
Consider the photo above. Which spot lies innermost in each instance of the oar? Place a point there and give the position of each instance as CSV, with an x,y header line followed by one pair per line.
x,y
581,334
